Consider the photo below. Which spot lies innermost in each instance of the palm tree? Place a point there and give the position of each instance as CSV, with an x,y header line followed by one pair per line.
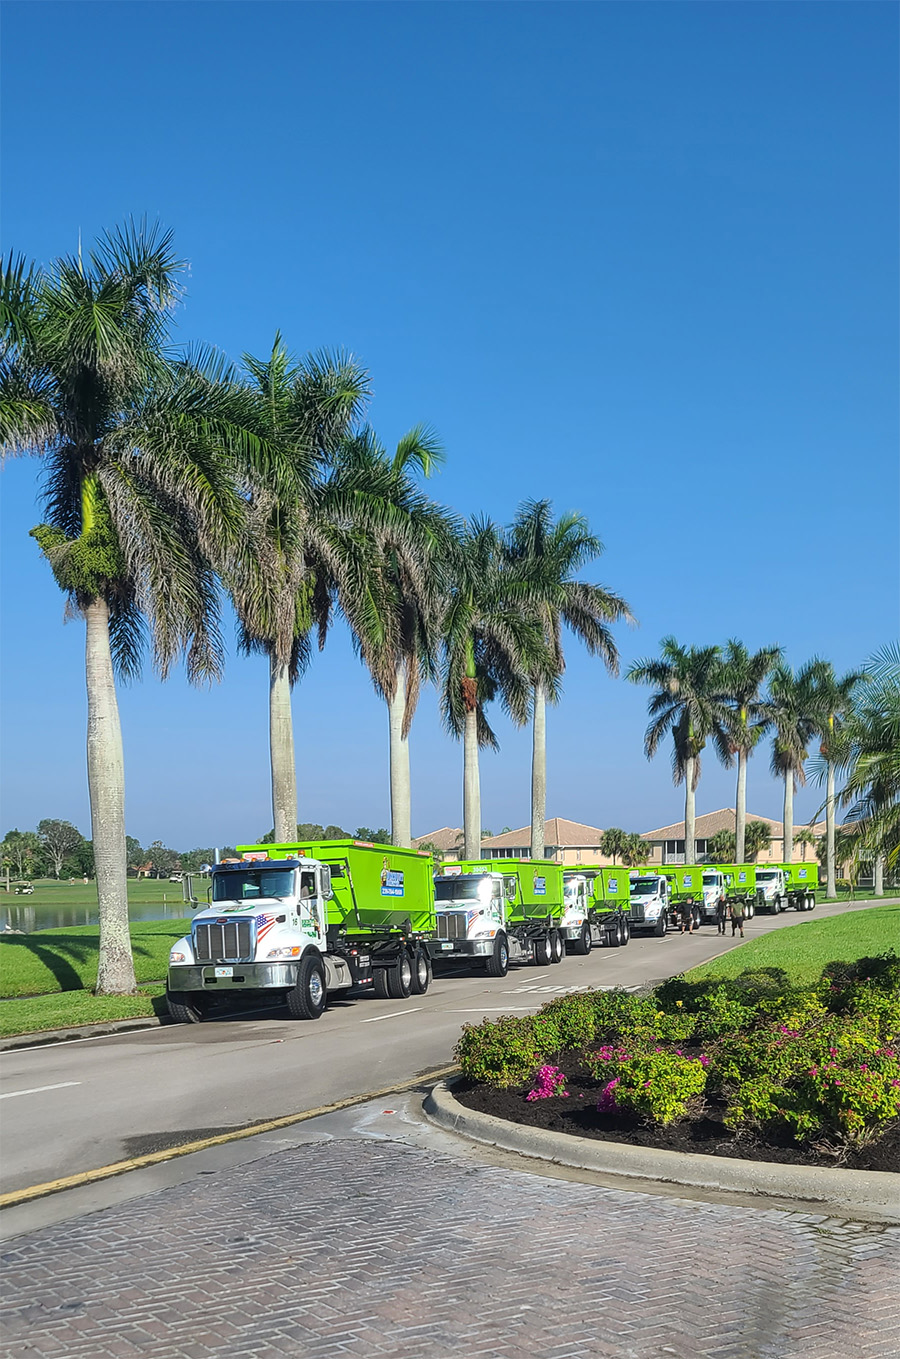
x,y
790,709
549,555
612,842
834,702
492,646
301,411
872,760
392,601
745,673
758,837
688,702
140,458
634,849
721,848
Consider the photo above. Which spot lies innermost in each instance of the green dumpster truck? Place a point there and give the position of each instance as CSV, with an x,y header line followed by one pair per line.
x,y
779,886
594,914
740,885
302,921
499,911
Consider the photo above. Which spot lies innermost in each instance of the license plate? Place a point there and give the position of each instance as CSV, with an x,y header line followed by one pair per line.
x,y
224,972
449,947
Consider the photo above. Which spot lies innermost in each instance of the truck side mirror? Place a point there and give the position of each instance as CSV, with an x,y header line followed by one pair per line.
x,y
327,890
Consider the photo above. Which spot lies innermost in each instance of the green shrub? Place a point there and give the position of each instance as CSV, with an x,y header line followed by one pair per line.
x,y
718,1013
499,1052
574,1017
658,1085
617,1012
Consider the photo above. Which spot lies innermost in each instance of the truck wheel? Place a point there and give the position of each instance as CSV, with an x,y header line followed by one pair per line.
x,y
381,983
498,962
812,901
626,932
542,956
185,1007
583,943
557,947
306,998
775,908
660,928
749,912
421,972
614,937
400,977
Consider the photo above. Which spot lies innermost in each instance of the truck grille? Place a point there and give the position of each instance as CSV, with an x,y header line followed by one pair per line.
x,y
637,912
452,926
228,942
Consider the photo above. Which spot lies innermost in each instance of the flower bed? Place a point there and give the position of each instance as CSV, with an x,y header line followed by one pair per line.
x,y
751,1067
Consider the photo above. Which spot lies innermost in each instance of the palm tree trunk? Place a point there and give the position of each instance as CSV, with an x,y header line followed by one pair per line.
x,y
281,753
788,827
830,874
878,876
471,788
690,839
740,810
538,772
401,825
106,784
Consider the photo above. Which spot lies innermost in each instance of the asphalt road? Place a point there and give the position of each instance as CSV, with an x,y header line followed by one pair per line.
x,y
75,1106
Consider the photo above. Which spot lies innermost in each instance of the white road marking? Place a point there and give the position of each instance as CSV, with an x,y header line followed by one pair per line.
x,y
38,1089
376,1019
486,1009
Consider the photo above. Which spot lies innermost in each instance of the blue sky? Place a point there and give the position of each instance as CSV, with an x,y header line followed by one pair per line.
x,y
639,258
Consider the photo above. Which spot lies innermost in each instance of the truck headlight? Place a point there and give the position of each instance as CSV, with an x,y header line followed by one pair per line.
x,y
292,952
176,957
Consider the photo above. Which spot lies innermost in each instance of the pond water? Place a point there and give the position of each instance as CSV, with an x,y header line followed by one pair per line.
x,y
18,913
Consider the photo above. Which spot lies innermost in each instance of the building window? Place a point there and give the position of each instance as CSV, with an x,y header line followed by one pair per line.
x,y
701,847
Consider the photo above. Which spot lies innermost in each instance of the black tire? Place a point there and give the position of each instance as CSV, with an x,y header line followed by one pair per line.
x,y
614,937
497,964
306,998
542,951
776,906
421,972
557,947
185,1007
381,983
750,912
698,918
582,945
660,927
812,901
626,932
399,977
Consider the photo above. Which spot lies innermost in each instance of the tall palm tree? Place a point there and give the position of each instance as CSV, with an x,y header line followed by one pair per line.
x,y
790,710
492,646
745,673
689,701
548,554
141,495
872,759
834,703
392,601
612,842
301,412
634,849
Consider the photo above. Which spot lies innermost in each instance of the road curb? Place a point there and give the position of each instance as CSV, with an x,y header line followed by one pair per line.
x,y
41,1036
843,1192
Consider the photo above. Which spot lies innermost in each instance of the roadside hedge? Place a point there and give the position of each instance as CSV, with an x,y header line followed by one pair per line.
x,y
822,1062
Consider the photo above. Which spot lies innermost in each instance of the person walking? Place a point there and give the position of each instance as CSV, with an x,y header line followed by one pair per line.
x,y
721,914
686,917
737,918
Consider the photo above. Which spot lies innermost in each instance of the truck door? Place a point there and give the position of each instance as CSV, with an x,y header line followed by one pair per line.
x,y
311,906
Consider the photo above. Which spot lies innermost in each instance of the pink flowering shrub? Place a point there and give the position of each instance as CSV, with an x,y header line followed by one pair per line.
x,y
549,1083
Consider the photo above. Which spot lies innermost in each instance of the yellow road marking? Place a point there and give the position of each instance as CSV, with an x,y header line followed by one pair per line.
x,y
38,1191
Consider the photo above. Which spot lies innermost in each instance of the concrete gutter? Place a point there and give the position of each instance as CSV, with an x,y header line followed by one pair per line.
x,y
870,1193
37,1039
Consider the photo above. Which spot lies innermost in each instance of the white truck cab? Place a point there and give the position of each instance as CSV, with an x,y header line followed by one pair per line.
x,y
583,925
771,889
650,899
713,892
471,918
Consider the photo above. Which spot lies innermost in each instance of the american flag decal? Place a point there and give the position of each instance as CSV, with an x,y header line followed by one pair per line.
x,y
263,924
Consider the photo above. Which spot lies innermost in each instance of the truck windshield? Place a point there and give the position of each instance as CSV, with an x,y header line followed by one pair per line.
x,y
571,889
644,887
462,889
250,884
711,879
768,876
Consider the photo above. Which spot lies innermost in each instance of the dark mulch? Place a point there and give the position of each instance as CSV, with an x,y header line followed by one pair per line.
x,y
577,1114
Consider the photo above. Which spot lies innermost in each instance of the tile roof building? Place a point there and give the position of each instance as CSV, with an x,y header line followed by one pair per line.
x,y
667,842
566,842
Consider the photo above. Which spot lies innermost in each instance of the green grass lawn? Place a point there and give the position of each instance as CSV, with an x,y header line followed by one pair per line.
x,y
803,950
66,959
66,1008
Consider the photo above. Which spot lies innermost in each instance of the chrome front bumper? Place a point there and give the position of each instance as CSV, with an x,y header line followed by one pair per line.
x,y
464,948
244,976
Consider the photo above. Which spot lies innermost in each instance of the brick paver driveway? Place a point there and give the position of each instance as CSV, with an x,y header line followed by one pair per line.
x,y
361,1247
